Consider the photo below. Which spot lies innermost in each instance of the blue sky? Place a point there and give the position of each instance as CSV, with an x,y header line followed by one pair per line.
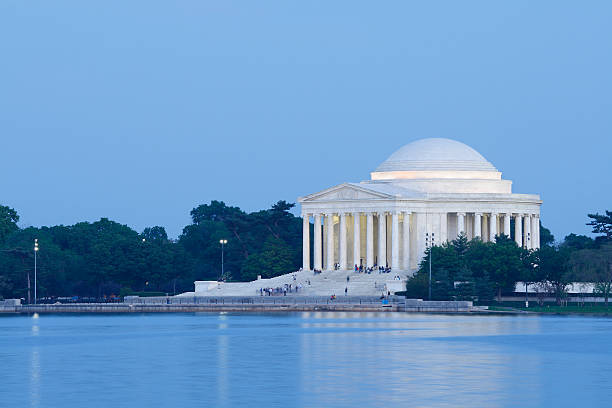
x,y
138,111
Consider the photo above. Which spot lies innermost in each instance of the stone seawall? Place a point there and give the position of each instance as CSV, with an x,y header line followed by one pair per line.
x,y
228,307
248,304
459,306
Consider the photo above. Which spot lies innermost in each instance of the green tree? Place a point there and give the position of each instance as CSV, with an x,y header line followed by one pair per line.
x,y
505,264
594,265
484,287
546,237
555,270
577,242
465,285
8,222
442,286
602,224
273,260
247,234
155,234
417,286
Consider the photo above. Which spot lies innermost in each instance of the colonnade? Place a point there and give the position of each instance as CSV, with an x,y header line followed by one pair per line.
x,y
399,238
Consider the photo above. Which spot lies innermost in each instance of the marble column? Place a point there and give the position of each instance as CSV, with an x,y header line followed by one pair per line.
x,y
484,227
527,231
443,228
305,242
492,227
406,242
420,227
395,263
382,239
329,219
369,240
477,225
518,229
534,235
460,223
357,238
507,224
538,231
317,242
342,238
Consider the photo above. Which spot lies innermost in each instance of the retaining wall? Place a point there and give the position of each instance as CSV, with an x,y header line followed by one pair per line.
x,y
248,304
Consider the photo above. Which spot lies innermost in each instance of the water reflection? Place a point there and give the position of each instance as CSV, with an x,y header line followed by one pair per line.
x,y
35,369
35,377
401,357
304,359
223,369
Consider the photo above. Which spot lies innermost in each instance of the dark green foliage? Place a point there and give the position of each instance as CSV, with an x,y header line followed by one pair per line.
x,y
465,286
8,222
602,224
484,288
594,265
546,237
417,286
481,271
574,242
470,270
103,258
554,269
274,259
266,242
441,285
155,234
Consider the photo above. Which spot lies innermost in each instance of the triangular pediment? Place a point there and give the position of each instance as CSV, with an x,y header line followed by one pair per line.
x,y
346,192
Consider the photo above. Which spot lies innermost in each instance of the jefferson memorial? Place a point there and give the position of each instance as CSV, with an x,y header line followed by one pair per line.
x,y
427,192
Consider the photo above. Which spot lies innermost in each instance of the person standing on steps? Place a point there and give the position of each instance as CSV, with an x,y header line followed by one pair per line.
x,y
345,291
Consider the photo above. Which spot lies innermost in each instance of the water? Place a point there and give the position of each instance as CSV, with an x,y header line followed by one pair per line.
x,y
304,359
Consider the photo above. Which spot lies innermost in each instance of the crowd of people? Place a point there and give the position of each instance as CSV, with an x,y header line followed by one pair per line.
x,y
369,270
281,290
360,269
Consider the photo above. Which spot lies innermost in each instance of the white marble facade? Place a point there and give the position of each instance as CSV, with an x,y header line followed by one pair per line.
x,y
428,188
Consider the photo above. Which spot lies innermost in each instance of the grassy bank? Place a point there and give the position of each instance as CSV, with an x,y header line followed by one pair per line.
x,y
555,309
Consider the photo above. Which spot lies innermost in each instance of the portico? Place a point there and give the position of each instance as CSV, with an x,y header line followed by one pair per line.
x,y
435,188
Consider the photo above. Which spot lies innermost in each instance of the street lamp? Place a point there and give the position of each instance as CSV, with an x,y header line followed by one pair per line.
x,y
429,242
526,298
222,242
35,252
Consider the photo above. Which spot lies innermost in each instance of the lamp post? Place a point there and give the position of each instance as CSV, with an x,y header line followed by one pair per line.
x,y
35,252
526,298
222,242
429,243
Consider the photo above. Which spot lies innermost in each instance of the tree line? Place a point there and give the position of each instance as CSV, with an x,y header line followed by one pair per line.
x,y
477,270
105,258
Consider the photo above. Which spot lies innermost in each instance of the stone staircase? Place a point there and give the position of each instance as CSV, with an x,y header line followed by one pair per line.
x,y
326,283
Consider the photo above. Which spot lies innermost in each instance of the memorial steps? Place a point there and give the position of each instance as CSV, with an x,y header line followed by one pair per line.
x,y
326,283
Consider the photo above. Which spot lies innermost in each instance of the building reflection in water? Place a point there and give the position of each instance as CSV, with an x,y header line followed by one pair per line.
x,y
35,370
223,369
402,357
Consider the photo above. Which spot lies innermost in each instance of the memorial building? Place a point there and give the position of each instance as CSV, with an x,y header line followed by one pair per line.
x,y
425,193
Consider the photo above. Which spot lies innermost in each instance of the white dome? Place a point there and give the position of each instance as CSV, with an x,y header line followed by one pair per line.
x,y
436,154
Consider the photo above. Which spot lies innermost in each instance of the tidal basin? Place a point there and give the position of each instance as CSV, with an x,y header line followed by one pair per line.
x,y
304,359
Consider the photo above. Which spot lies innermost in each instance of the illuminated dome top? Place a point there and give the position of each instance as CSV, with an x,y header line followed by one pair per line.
x,y
436,158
